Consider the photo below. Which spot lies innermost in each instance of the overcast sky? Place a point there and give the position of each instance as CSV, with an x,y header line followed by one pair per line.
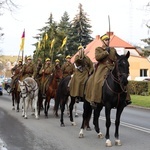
x,y
127,18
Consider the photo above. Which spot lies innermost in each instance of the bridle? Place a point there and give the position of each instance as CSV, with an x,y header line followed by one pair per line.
x,y
27,91
117,79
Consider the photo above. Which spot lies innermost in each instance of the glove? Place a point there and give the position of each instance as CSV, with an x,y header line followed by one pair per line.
x,y
108,49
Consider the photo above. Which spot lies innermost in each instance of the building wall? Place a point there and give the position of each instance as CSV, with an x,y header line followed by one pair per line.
x,y
137,63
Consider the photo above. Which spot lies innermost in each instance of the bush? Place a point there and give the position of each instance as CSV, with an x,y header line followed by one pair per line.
x,y
139,88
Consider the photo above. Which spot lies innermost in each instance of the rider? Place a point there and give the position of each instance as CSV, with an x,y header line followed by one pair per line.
x,y
67,67
28,69
106,57
16,72
46,72
38,67
83,68
57,63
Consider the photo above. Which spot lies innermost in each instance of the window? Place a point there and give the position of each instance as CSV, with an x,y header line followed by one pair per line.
x,y
143,72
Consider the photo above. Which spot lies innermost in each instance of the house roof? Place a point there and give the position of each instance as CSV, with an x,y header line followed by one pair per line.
x,y
115,42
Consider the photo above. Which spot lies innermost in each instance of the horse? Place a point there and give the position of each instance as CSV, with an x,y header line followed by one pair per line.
x,y
113,96
52,88
29,95
62,99
15,96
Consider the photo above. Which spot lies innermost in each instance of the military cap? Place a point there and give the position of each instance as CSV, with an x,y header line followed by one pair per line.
x,y
47,59
57,60
68,57
20,60
39,59
104,37
80,47
29,58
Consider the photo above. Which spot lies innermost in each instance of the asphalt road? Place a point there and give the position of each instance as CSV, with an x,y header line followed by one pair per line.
x,y
46,134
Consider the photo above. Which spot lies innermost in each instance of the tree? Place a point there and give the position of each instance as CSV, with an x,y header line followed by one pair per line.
x,y
81,29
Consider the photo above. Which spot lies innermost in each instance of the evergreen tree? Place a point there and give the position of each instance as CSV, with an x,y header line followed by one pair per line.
x,y
146,51
80,30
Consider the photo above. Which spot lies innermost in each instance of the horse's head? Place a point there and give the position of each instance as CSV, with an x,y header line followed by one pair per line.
x,y
122,66
23,88
58,72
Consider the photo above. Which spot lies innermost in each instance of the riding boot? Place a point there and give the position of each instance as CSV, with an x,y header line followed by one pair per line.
x,y
128,99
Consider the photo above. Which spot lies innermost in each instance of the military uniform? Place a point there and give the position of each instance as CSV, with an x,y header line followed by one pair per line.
x,y
28,69
16,71
46,72
38,67
84,67
67,67
94,85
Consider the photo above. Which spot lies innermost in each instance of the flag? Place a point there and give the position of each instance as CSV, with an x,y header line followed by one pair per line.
x,y
52,43
22,41
39,45
64,42
46,37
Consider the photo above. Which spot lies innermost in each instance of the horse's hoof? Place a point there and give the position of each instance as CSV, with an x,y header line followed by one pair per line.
x,y
25,117
17,110
81,135
108,143
62,125
118,142
88,129
76,115
73,123
100,135
13,108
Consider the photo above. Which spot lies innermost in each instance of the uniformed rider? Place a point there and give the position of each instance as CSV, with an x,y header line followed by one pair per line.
x,y
83,69
67,67
28,69
16,72
46,72
106,57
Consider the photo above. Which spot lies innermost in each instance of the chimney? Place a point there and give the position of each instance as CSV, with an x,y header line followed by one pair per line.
x,y
110,33
97,37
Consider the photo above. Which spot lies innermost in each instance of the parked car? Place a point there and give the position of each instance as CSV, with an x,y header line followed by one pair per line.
x,y
7,84
1,86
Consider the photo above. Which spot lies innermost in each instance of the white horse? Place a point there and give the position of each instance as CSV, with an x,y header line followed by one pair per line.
x,y
29,95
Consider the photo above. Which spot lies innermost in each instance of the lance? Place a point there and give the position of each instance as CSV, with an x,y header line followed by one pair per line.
x,y
109,29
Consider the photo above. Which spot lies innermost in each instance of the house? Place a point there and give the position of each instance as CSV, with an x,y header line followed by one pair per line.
x,y
139,65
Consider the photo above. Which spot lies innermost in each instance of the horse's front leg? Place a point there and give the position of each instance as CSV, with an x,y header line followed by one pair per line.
x,y
45,107
13,101
96,119
108,123
18,101
36,107
87,111
23,107
62,108
71,110
117,123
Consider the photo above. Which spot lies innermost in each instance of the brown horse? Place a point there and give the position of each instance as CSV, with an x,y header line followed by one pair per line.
x,y
15,96
52,88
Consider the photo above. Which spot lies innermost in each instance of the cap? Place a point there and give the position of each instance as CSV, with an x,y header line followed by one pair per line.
x,y
68,57
29,58
80,47
47,59
104,37
20,60
39,59
57,60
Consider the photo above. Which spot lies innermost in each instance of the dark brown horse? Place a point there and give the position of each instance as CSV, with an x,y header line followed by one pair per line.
x,y
52,88
16,96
